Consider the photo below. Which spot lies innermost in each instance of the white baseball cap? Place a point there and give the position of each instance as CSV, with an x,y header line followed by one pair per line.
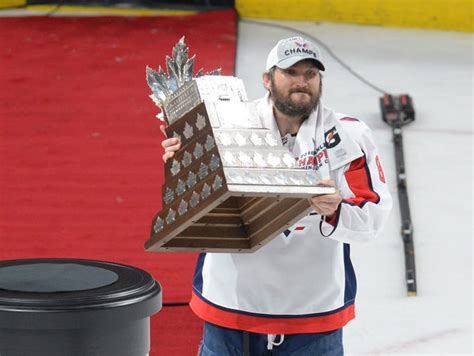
x,y
292,50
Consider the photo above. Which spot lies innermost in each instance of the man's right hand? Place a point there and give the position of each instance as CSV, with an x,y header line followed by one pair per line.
x,y
171,145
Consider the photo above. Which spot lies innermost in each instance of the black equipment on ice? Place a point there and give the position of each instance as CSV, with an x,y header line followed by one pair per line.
x,y
398,111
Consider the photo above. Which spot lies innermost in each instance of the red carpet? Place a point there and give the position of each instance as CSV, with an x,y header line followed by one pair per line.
x,y
80,154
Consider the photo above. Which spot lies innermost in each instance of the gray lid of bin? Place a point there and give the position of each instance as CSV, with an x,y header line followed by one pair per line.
x,y
71,293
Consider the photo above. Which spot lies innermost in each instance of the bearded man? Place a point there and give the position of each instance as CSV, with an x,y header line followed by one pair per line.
x,y
294,295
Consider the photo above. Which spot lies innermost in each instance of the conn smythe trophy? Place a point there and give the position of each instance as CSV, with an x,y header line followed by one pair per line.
x,y
232,186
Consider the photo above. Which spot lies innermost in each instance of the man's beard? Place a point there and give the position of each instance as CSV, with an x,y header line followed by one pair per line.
x,y
287,106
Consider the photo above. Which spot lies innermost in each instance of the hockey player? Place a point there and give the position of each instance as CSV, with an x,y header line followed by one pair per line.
x,y
294,295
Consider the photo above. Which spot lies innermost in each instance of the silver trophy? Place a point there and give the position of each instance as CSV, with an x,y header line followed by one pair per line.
x,y
232,186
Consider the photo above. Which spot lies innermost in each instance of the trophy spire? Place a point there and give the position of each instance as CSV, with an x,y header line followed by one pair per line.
x,y
180,70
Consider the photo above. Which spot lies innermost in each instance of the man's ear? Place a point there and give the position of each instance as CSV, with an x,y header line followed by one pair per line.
x,y
266,80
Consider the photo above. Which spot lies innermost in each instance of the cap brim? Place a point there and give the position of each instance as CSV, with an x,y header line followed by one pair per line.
x,y
288,62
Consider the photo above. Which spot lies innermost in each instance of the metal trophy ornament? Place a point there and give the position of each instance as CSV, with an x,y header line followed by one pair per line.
x,y
232,186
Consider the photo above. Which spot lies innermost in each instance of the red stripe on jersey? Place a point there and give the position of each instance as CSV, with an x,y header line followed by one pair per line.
x,y
271,325
379,167
347,118
299,228
360,183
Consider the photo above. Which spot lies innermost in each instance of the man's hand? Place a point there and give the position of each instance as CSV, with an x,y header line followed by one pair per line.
x,y
171,145
327,204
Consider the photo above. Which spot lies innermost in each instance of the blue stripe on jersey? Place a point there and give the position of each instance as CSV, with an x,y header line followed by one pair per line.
x,y
351,282
197,279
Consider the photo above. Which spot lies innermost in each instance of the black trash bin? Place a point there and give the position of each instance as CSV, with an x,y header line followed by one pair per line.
x,y
73,307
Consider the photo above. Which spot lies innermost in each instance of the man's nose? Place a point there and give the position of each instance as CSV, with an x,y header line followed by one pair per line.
x,y
301,79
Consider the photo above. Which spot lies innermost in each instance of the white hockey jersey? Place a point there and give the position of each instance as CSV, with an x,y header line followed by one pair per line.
x,y
303,280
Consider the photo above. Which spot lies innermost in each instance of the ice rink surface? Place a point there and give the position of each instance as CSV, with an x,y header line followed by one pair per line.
x,y
436,69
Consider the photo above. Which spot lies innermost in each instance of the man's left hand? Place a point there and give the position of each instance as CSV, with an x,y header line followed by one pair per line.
x,y
327,204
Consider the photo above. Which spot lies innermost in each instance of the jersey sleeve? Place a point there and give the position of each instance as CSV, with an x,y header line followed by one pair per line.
x,y
366,198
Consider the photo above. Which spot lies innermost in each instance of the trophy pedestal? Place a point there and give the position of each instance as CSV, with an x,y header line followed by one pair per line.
x,y
233,223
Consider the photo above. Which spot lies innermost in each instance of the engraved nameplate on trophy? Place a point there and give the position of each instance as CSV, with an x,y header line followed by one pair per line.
x,y
232,186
